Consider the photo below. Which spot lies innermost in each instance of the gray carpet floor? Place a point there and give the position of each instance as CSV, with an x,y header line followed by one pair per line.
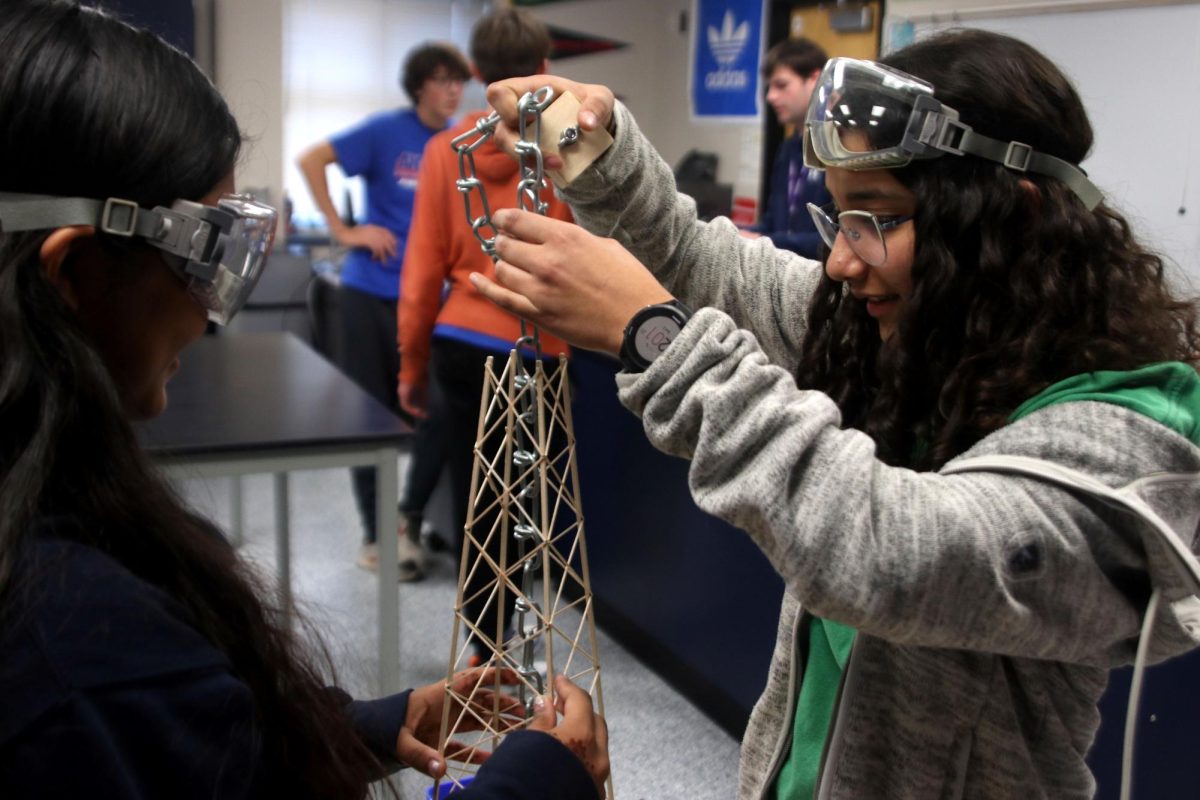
x,y
661,747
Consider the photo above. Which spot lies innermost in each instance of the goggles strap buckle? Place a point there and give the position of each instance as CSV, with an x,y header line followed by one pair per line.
x,y
1017,156
119,217
949,136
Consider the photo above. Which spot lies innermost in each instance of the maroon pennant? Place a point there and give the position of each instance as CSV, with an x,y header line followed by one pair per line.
x,y
569,44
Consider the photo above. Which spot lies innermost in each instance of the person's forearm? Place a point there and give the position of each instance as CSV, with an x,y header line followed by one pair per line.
x,y
416,314
427,264
312,166
378,723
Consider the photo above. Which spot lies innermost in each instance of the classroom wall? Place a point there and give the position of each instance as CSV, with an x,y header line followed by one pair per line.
x,y
249,72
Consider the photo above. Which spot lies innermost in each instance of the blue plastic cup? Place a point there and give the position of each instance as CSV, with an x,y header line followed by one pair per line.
x,y
447,788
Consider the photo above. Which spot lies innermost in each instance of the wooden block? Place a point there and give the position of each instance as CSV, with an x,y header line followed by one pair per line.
x,y
564,113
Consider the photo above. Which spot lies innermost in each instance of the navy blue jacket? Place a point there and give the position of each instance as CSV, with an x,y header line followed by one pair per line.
x,y
107,690
792,228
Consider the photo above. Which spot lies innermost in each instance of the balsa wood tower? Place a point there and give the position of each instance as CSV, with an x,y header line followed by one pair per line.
x,y
524,536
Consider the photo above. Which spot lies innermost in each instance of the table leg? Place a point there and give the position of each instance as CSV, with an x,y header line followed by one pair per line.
x,y
236,534
283,545
386,483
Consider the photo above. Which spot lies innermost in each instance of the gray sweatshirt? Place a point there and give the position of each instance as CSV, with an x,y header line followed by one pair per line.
x,y
990,607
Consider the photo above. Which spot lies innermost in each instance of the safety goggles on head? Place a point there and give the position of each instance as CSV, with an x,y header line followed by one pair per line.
x,y
864,115
863,230
218,251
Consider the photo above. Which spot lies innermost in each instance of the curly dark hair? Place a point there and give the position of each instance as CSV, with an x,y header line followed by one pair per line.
x,y
1016,285
424,60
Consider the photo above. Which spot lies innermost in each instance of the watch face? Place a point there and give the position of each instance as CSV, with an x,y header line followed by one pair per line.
x,y
654,335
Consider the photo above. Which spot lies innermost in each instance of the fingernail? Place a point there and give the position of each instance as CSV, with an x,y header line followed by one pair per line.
x,y
587,118
473,278
539,703
434,766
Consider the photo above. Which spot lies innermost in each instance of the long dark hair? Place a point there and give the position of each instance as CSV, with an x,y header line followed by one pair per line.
x,y
1013,289
92,107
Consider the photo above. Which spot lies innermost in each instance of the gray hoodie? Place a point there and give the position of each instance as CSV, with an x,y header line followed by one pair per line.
x,y
977,668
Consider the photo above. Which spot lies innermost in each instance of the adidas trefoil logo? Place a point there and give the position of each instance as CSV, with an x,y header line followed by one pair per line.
x,y
727,45
728,42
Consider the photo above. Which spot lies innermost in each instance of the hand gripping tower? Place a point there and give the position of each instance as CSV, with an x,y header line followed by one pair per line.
x,y
524,529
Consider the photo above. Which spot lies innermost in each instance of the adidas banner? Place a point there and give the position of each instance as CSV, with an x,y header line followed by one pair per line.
x,y
726,46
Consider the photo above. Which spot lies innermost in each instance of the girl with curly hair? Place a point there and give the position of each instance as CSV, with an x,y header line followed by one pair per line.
x,y
948,623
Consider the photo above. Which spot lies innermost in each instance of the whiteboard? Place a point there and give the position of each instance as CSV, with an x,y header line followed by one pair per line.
x,y
1138,72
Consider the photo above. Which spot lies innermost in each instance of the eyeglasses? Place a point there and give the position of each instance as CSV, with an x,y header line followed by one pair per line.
x,y
445,81
862,229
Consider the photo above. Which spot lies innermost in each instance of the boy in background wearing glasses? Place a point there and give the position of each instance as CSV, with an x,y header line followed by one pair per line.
x,y
385,150
791,69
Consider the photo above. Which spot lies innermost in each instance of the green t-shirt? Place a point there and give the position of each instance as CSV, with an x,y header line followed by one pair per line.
x,y
829,645
1168,393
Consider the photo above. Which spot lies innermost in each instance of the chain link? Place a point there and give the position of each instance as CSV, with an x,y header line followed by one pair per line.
x,y
529,198
468,181
529,155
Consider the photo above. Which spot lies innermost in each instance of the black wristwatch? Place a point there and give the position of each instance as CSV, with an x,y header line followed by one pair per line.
x,y
650,332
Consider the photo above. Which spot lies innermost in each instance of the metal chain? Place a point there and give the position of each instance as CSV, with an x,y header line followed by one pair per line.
x,y
529,198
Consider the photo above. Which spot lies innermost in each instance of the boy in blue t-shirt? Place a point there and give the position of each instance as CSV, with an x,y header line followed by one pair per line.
x,y
385,150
